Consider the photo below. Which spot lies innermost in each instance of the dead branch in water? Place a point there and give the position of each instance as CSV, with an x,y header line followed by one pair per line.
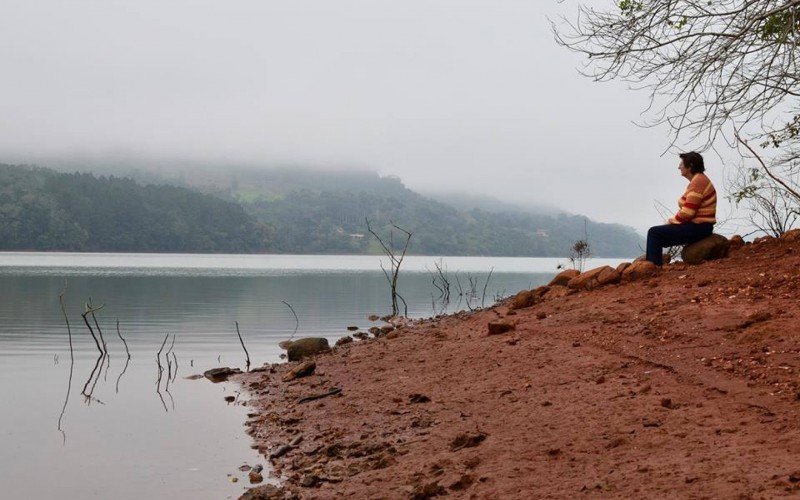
x,y
91,331
169,363
394,260
247,354
124,369
71,361
296,320
127,351
160,372
175,372
485,285
99,331
94,377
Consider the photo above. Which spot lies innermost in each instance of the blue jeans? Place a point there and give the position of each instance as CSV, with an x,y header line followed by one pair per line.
x,y
659,237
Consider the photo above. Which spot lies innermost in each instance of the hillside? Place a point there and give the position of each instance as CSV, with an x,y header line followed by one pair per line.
x,y
41,209
682,385
283,210
316,211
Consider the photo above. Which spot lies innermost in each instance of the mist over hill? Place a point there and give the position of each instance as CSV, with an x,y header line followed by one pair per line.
x,y
283,209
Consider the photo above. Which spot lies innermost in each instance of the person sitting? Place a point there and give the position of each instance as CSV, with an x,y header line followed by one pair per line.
x,y
697,210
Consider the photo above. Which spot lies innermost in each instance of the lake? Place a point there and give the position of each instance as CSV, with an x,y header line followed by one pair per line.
x,y
136,428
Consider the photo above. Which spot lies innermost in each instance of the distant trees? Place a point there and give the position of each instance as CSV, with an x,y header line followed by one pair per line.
x,y
45,210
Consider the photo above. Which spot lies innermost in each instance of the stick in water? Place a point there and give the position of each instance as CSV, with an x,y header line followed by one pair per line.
x,y
123,341
296,320
243,347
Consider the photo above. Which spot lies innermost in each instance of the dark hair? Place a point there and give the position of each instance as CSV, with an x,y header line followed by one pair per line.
x,y
693,161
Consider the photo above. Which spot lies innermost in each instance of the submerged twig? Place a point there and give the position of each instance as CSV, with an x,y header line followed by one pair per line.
x,y
296,320
71,361
127,351
247,354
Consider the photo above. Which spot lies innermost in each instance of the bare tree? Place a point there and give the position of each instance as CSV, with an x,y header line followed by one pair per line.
x,y
713,69
395,261
773,203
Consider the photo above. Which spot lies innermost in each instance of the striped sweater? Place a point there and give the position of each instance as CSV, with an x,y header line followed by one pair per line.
x,y
698,204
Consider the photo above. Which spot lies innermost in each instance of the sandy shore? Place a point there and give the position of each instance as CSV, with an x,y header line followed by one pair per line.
x,y
682,385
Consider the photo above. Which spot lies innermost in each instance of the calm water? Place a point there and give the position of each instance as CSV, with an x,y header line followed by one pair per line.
x,y
137,438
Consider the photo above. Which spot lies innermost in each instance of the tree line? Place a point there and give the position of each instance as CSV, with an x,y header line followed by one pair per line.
x,y
41,209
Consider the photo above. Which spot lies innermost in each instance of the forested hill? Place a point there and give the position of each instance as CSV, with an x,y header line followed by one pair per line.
x,y
281,210
41,209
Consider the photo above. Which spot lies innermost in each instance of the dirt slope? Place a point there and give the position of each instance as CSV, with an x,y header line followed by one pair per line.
x,y
683,385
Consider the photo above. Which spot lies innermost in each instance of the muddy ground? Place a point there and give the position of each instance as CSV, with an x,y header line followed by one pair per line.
x,y
682,385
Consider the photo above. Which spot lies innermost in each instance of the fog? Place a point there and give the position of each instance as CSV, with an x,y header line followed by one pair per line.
x,y
470,96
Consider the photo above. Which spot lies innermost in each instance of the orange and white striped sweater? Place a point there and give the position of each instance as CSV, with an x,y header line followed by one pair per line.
x,y
698,204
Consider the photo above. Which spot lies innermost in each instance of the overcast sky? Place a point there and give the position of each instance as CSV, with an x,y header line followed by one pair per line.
x,y
450,95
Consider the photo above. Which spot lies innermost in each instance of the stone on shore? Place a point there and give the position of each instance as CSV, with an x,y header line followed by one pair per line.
x,y
736,242
220,374
557,291
595,278
714,247
527,298
638,270
563,278
306,347
347,339
301,370
501,326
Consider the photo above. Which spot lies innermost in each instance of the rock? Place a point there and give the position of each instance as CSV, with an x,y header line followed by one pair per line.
x,y
301,370
387,328
230,399
429,490
258,468
310,481
736,242
281,451
639,270
306,347
791,235
245,468
563,278
375,330
297,440
373,317
525,298
665,258
344,340
418,398
467,441
501,326
557,291
268,492
462,483
762,239
711,248
594,278
621,268
361,335
392,335
255,477
352,328
217,375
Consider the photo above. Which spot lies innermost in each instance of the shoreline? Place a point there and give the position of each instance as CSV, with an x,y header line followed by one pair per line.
x,y
681,384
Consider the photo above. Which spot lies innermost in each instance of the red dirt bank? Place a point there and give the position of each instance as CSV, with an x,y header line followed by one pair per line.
x,y
683,385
